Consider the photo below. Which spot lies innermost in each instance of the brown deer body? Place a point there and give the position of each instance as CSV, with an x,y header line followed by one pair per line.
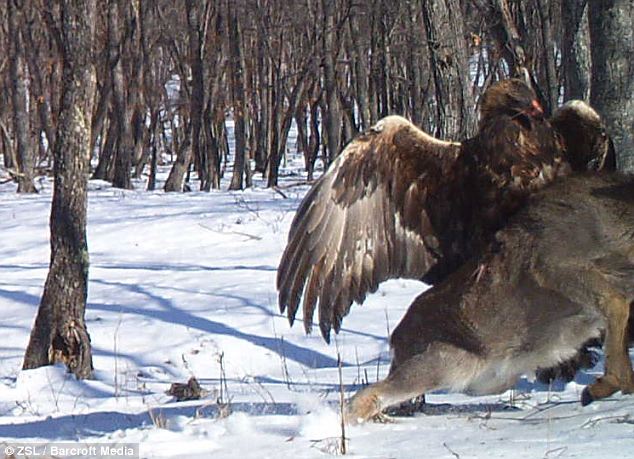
x,y
560,273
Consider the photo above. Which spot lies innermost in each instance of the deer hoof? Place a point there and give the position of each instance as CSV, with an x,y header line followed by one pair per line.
x,y
586,397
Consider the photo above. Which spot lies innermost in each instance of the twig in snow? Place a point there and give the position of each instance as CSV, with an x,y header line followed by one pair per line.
x,y
621,419
280,192
456,455
557,452
238,233
296,184
342,406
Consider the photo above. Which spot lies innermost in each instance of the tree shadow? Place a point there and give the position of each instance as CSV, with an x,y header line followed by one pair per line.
x,y
81,426
173,315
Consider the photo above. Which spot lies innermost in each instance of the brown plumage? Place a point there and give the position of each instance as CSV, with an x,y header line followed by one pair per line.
x,y
400,203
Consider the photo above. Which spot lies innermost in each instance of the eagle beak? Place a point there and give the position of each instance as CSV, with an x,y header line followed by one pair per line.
x,y
536,109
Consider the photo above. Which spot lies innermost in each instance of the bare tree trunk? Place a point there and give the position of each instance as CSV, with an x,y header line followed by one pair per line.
x,y
413,64
380,68
511,46
105,165
197,98
448,56
575,77
59,333
548,52
42,95
263,102
314,138
21,125
274,121
361,65
175,179
240,165
101,110
154,145
612,90
332,116
285,125
122,111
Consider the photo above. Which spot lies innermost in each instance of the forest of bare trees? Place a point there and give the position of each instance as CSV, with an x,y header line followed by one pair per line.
x,y
171,74
114,89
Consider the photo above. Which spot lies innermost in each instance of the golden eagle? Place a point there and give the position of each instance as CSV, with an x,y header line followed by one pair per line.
x,y
398,202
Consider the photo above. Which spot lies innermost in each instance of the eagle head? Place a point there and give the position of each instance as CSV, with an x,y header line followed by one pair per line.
x,y
512,98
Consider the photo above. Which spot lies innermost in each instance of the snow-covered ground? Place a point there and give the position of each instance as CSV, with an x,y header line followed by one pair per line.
x,y
183,285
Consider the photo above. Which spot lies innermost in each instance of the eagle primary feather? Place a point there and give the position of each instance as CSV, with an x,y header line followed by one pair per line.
x,y
400,203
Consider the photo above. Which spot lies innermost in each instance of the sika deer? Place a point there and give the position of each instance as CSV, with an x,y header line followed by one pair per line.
x,y
560,273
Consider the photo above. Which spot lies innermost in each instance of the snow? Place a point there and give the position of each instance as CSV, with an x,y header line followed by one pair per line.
x,y
183,285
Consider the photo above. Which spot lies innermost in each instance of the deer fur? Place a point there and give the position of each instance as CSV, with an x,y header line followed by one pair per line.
x,y
560,273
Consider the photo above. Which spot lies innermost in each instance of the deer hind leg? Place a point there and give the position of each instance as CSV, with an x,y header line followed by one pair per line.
x,y
441,366
618,374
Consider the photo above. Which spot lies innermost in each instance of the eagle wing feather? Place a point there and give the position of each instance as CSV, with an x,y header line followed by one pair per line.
x,y
367,219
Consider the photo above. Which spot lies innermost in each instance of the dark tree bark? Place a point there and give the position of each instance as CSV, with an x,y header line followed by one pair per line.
x,y
21,125
122,110
197,99
241,164
59,333
285,125
612,87
314,138
414,66
574,71
177,175
455,115
41,94
105,166
262,117
551,90
361,65
332,115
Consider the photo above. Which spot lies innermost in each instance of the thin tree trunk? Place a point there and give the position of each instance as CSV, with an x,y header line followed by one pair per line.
x,y
361,65
314,138
101,110
197,98
548,52
42,96
285,126
448,57
413,63
175,179
240,164
122,110
574,74
105,165
59,333
154,144
17,67
332,116
262,96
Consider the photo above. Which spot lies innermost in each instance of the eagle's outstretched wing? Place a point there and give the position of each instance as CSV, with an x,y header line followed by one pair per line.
x,y
400,203
384,209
